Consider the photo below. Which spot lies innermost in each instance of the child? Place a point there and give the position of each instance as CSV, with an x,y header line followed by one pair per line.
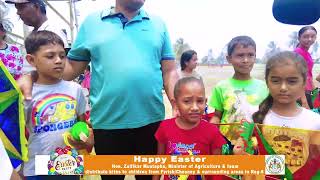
x,y
188,63
286,78
307,36
188,133
236,98
56,104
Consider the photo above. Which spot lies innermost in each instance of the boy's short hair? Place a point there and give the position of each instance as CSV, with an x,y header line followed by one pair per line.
x,y
184,81
41,38
240,40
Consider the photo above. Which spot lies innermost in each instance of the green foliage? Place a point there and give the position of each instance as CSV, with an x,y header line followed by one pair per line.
x,y
179,47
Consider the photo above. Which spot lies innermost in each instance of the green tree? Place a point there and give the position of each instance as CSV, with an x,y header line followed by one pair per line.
x,y
315,48
179,47
293,40
272,49
221,59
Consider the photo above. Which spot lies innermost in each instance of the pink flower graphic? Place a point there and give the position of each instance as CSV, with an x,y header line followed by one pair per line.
x,y
14,49
5,61
10,57
12,65
2,56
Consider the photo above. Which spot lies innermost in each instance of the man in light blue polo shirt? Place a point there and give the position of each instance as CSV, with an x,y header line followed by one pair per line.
x,y
132,59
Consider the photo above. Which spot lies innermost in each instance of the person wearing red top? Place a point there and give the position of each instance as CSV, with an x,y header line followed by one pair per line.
x,y
188,132
307,35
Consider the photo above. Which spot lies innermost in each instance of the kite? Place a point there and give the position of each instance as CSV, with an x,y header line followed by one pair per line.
x,y
300,147
12,122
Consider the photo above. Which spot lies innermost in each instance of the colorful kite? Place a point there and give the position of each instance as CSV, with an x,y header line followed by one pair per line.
x,y
12,122
300,147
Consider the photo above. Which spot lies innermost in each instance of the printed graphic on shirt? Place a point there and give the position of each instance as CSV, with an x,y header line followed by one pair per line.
x,y
54,112
291,143
13,60
239,109
182,149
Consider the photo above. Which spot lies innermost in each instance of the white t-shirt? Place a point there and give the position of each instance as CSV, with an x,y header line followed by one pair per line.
x,y
5,163
49,26
306,119
291,136
194,74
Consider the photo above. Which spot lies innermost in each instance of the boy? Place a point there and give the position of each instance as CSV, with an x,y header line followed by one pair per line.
x,y
56,104
237,98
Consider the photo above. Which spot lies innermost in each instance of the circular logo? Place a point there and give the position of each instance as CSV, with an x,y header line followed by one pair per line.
x,y
275,164
65,162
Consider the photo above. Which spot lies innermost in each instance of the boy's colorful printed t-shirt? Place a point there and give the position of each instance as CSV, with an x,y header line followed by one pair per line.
x,y
12,59
52,111
200,140
291,136
238,100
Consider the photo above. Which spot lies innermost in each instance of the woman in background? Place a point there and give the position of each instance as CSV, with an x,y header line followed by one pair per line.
x,y
188,64
307,35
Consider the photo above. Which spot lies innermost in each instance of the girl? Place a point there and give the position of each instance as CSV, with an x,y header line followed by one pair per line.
x,y
286,78
188,133
188,63
307,36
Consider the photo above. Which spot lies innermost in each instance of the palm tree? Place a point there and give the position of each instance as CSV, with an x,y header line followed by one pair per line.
x,y
272,48
221,59
293,42
179,47
314,50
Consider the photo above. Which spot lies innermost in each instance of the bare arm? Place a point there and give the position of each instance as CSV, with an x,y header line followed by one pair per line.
x,y
161,151
81,117
318,78
216,151
216,119
73,69
170,77
304,102
15,176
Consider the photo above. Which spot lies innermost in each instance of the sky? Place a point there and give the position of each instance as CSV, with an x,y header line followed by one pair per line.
x,y
203,24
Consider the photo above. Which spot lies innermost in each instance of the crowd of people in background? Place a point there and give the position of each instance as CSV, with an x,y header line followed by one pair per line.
x,y
127,111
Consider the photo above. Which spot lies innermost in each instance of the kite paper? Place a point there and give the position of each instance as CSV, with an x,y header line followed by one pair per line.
x,y
12,122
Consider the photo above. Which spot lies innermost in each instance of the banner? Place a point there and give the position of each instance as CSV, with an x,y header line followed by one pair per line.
x,y
164,164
